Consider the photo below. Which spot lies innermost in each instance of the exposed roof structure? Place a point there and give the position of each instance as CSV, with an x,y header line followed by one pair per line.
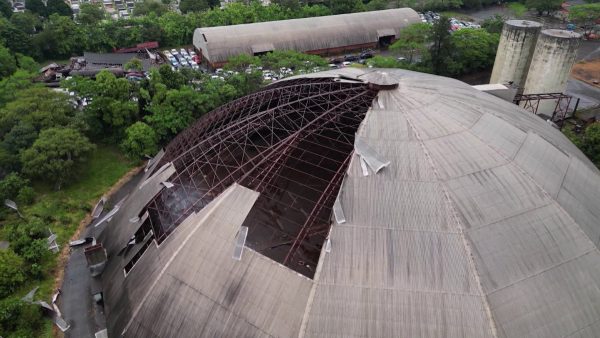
x,y
378,203
309,34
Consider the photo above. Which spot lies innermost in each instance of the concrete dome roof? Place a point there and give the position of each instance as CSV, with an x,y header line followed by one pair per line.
x,y
481,221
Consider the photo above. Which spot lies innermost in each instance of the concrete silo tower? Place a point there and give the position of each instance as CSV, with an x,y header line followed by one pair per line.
x,y
551,64
515,50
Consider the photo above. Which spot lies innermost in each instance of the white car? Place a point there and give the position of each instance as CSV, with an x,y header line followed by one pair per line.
x,y
218,70
174,51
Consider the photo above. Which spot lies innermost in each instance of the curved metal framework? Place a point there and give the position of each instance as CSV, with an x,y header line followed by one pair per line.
x,y
291,142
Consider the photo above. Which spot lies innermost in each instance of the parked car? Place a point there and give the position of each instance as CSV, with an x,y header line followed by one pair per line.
x,y
350,58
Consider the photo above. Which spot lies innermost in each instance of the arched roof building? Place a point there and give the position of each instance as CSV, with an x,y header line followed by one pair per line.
x,y
316,35
360,203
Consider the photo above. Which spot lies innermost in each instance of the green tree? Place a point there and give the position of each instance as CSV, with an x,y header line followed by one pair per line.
x,y
377,5
172,79
172,110
5,8
585,15
413,40
37,7
472,3
61,38
140,139
474,50
134,64
186,6
517,9
241,62
150,6
11,86
38,106
54,156
12,185
27,63
27,22
494,24
15,39
112,108
19,319
8,64
293,60
384,62
11,272
58,7
246,83
591,142
441,46
542,6
345,6
91,13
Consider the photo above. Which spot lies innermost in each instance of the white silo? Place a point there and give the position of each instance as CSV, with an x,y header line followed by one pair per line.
x,y
554,56
515,50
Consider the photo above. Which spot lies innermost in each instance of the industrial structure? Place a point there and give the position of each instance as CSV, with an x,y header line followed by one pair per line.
x,y
551,64
515,50
359,203
326,35
537,63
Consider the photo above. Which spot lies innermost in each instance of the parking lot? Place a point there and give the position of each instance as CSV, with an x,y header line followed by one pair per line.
x,y
182,58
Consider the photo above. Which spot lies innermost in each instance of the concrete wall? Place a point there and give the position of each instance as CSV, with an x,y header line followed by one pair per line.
x,y
515,50
551,65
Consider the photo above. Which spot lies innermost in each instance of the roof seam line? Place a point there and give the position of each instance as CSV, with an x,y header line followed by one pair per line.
x,y
545,270
467,248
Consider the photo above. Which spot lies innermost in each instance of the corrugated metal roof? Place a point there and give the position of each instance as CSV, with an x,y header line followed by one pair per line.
x,y
308,34
485,223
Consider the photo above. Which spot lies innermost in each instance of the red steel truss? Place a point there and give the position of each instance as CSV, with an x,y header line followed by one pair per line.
x,y
291,142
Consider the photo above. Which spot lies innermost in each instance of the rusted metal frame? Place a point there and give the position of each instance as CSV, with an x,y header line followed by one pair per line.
x,y
223,182
329,191
215,118
301,132
237,125
229,111
560,113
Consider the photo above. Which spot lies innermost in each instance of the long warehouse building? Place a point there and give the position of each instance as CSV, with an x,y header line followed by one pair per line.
x,y
323,35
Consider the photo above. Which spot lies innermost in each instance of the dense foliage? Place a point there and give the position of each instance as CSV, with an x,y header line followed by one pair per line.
x,y
434,49
588,141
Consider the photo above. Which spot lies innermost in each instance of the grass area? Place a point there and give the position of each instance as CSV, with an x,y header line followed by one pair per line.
x,y
518,9
458,16
63,210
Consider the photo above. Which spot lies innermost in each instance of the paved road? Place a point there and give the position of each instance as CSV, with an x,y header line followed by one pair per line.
x,y
76,303
589,95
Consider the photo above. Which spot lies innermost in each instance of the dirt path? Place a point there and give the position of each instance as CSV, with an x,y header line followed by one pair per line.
x,y
588,72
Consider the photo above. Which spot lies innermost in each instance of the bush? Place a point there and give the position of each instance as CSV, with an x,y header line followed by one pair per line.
x,y
15,187
28,240
26,196
141,140
19,319
11,272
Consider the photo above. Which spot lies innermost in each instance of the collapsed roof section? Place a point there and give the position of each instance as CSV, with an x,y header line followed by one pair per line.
x,y
291,142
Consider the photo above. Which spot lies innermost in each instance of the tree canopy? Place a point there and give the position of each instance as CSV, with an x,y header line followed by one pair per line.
x,y
413,40
90,13
585,15
55,154
542,6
